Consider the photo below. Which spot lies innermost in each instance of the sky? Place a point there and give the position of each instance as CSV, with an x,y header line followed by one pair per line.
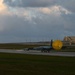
x,y
36,20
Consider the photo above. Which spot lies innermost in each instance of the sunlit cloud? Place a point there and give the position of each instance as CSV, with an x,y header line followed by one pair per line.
x,y
4,9
55,10
31,12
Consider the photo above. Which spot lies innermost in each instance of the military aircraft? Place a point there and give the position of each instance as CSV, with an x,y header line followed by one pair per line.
x,y
56,45
44,48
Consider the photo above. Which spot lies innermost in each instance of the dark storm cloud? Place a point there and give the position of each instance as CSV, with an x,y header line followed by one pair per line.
x,y
30,3
69,4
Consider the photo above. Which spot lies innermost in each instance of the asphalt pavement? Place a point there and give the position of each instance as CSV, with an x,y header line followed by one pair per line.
x,y
36,52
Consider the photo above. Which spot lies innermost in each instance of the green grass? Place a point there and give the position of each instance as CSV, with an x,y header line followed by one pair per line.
x,y
19,64
17,46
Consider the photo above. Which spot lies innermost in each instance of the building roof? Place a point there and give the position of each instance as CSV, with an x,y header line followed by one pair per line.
x,y
69,39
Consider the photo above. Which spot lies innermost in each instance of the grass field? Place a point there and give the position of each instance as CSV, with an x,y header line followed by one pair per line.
x,y
19,64
17,46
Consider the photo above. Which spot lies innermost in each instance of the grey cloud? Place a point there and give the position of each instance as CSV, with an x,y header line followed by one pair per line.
x,y
19,29
69,4
16,29
30,3
69,22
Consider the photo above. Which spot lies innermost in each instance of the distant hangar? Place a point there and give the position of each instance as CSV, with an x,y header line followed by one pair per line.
x,y
69,40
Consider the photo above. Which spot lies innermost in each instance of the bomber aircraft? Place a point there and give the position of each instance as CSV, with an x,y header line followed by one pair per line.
x,y
56,45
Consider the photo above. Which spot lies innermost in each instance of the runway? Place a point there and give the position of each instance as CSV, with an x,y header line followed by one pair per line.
x,y
35,52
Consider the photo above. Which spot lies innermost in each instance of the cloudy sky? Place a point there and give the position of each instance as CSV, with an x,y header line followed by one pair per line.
x,y
35,20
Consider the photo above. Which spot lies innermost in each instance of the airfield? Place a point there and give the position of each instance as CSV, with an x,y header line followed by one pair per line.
x,y
16,60
23,62
37,52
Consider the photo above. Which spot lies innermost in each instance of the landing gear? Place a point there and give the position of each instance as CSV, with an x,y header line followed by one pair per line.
x,y
43,50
